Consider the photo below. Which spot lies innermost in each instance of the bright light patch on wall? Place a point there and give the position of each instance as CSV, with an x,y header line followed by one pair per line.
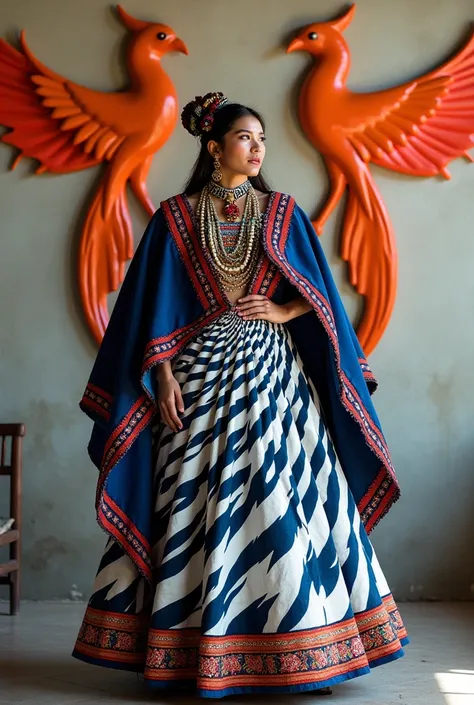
x,y
457,686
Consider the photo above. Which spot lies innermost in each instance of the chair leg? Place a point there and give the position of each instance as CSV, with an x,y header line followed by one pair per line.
x,y
15,592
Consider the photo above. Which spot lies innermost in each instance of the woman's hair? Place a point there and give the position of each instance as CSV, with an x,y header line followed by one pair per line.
x,y
215,124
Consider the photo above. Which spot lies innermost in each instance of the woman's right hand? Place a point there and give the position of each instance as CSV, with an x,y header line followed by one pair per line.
x,y
170,401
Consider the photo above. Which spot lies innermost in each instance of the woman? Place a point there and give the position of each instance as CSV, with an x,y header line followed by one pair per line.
x,y
241,460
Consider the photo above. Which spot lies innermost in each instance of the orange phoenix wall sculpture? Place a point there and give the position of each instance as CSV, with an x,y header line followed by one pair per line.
x,y
416,128
67,127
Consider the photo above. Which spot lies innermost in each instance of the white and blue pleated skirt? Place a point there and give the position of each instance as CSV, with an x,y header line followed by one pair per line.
x,y
265,580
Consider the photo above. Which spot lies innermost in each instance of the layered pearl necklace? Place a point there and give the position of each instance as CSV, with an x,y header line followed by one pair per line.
x,y
237,268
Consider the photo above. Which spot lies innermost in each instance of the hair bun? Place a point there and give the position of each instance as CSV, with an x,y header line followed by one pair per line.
x,y
198,115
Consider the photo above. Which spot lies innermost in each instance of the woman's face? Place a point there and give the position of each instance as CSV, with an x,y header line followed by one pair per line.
x,y
243,150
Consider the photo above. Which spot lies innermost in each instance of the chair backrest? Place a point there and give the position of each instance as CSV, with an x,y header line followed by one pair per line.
x,y
11,438
11,435
11,441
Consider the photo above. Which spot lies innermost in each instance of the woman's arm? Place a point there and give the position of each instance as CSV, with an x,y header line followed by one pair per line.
x,y
164,371
256,306
170,400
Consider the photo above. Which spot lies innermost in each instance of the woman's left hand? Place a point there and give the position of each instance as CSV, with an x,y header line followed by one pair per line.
x,y
257,306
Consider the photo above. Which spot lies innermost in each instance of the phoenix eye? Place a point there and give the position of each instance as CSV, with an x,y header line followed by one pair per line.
x,y
313,35
161,36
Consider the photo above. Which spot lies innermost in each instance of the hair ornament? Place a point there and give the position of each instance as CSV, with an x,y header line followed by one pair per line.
x,y
198,115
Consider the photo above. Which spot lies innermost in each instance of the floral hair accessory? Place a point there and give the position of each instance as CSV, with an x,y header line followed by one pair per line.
x,y
198,115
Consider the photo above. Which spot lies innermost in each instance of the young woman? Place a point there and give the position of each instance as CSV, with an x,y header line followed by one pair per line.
x,y
241,460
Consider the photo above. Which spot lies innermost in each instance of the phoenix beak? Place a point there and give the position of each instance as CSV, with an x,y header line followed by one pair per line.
x,y
179,45
296,45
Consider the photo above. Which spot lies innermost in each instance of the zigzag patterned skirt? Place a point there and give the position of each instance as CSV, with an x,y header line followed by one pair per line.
x,y
265,578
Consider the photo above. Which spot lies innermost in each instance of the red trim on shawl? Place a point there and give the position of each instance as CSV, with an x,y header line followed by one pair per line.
x,y
123,436
160,349
184,233
276,233
117,524
128,425
370,507
95,400
101,392
370,421
368,374
267,279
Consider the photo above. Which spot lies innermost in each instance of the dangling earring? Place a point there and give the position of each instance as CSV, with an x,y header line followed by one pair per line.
x,y
217,173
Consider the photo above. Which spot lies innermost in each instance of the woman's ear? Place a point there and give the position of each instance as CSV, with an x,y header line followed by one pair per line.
x,y
213,149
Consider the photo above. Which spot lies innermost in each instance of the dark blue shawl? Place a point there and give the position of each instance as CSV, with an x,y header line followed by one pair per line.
x,y
169,294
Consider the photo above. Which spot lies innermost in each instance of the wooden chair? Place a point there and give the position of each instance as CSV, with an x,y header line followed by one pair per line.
x,y
11,441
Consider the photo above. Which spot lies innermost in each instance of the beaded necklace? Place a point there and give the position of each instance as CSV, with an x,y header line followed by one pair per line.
x,y
235,268
230,196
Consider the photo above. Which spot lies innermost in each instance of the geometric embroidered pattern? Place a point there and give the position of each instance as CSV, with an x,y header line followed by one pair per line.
x,y
118,525
97,400
121,635
222,662
371,505
368,374
120,441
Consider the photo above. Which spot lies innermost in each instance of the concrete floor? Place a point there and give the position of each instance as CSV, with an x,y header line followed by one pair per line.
x,y
36,667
